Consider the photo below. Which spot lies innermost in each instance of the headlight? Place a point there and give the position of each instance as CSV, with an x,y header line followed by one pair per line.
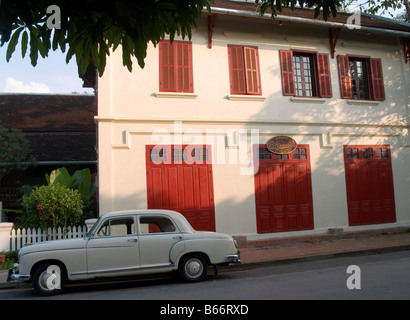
x,y
20,250
235,243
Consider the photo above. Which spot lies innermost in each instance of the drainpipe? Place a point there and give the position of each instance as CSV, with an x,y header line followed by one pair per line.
x,y
267,16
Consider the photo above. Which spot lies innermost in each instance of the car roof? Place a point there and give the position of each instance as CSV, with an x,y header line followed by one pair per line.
x,y
178,218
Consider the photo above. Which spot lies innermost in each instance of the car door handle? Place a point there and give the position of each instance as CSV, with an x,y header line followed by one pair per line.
x,y
177,237
132,240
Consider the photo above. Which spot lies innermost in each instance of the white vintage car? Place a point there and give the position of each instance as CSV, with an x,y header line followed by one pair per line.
x,y
122,244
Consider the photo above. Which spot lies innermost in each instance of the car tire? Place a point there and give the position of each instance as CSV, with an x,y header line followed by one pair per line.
x,y
49,279
193,268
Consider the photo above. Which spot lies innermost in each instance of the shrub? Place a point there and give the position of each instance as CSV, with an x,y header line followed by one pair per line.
x,y
11,259
80,180
52,206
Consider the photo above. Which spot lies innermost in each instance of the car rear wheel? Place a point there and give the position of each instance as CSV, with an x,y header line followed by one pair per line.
x,y
193,268
49,279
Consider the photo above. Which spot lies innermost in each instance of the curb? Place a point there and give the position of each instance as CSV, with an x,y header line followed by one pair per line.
x,y
326,256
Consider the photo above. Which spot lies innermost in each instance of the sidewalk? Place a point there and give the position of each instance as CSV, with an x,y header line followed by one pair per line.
x,y
324,246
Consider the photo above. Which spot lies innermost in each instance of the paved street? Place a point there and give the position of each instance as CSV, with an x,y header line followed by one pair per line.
x,y
382,276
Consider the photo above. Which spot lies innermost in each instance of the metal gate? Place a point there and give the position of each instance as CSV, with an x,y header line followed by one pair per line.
x,y
283,190
369,184
180,178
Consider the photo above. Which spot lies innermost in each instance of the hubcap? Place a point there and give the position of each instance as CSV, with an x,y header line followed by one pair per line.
x,y
49,280
194,268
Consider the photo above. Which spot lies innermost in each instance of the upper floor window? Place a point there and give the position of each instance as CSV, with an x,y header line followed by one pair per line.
x,y
175,67
360,84
244,73
361,78
305,74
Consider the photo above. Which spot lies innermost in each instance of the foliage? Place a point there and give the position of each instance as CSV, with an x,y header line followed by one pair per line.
x,y
80,181
10,259
379,6
91,28
52,206
326,7
15,150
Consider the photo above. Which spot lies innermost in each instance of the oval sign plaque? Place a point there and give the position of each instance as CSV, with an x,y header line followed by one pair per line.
x,y
281,145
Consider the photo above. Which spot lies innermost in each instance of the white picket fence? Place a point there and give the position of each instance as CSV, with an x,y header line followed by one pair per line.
x,y
20,237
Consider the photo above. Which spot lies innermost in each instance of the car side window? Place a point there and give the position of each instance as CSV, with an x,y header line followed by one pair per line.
x,y
117,227
150,225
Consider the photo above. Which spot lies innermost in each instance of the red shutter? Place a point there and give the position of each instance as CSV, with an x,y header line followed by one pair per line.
x,y
166,67
253,85
183,62
344,77
236,70
288,79
377,80
325,82
175,67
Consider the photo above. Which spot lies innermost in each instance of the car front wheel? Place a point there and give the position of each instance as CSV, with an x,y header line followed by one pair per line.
x,y
48,279
193,268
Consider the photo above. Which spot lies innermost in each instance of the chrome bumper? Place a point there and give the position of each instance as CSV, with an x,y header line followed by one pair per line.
x,y
234,258
15,275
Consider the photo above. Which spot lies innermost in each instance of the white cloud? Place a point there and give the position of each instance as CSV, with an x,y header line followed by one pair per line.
x,y
13,85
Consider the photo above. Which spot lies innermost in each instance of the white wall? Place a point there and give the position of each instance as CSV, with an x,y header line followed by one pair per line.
x,y
130,110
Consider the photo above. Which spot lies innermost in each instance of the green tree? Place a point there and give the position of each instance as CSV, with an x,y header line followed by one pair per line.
x,y
380,6
15,151
326,7
91,28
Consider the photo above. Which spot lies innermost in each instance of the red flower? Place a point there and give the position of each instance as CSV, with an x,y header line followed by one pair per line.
x,y
39,208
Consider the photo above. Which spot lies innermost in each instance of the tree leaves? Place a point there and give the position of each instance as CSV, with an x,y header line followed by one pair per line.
x,y
92,28
13,42
326,7
380,6
24,40
15,150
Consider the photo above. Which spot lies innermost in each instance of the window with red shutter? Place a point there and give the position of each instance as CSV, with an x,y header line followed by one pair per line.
x,y
288,78
305,74
244,71
344,77
377,80
252,71
361,78
236,70
325,82
175,67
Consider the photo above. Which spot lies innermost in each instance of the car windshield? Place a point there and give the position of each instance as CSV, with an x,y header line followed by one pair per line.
x,y
92,230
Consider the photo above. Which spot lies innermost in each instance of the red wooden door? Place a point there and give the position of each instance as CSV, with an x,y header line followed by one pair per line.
x,y
369,185
283,191
180,179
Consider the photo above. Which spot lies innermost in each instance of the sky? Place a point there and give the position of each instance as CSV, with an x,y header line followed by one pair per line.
x,y
51,75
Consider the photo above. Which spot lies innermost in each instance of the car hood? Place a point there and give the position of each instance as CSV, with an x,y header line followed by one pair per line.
x,y
64,244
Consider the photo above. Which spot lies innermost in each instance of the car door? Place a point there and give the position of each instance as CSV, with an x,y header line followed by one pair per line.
x,y
113,248
160,241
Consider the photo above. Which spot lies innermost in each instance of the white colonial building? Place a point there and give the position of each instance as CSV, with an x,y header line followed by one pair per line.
x,y
263,127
